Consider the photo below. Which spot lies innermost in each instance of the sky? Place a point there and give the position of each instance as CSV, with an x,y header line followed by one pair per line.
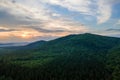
x,y
32,20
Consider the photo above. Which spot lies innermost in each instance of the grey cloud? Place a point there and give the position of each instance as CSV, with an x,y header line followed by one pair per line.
x,y
10,20
40,29
8,30
13,1
113,29
114,1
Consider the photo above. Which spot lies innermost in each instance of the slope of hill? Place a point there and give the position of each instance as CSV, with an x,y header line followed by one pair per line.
x,y
73,57
36,44
87,41
11,49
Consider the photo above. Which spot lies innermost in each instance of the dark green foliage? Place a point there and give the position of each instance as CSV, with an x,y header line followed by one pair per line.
x,y
113,62
73,57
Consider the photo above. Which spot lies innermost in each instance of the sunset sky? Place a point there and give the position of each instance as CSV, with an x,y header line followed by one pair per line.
x,y
32,20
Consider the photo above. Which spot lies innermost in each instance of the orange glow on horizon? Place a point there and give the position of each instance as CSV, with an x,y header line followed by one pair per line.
x,y
26,35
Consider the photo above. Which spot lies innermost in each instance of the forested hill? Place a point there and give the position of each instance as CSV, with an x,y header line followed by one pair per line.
x,y
73,57
80,42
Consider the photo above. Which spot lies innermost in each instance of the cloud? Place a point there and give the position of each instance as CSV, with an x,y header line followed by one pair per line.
x,y
113,1
45,30
5,29
48,30
101,9
77,5
118,22
25,9
113,30
59,26
104,11
39,9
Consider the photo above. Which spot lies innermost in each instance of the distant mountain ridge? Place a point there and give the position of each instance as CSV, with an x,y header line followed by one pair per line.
x,y
13,44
